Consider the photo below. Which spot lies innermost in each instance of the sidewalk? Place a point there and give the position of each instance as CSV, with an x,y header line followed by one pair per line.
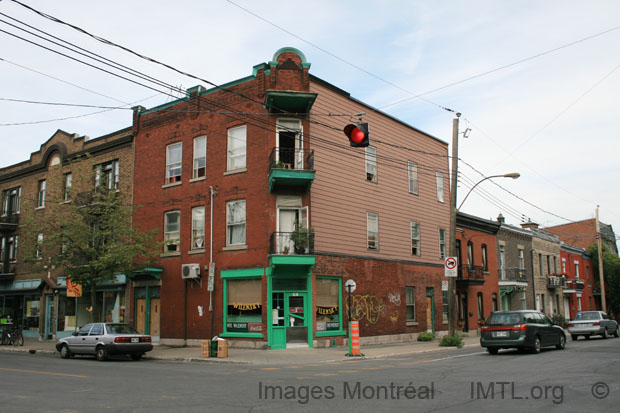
x,y
295,355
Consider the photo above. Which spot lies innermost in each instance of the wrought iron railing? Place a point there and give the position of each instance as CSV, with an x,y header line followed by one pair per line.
x,y
471,273
556,281
575,284
292,243
513,274
287,158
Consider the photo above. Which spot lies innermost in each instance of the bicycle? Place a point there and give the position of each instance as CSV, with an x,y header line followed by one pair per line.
x,y
12,336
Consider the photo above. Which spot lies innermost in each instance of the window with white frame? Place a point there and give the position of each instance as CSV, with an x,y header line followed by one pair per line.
x,y
200,157
67,183
439,177
235,222
410,303
442,243
577,270
41,194
485,265
372,231
8,251
470,254
198,228
172,231
563,265
236,148
521,262
502,262
11,201
371,164
412,168
415,238
39,250
108,174
174,158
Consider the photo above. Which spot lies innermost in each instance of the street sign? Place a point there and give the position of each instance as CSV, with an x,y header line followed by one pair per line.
x,y
350,286
450,269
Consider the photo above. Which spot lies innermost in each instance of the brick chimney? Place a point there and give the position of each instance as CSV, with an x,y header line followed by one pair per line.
x,y
529,224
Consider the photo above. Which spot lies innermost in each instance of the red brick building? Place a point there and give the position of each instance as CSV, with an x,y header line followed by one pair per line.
x,y
579,291
477,283
259,195
582,234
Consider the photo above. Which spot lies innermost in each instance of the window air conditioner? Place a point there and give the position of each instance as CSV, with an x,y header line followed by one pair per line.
x,y
190,271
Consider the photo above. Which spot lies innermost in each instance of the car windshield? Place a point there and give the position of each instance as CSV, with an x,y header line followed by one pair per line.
x,y
120,329
499,319
587,316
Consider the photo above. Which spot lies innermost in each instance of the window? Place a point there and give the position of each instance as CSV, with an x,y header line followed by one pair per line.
x,y
200,157
172,231
442,243
328,315
39,251
555,264
174,157
540,265
415,238
439,176
371,164
198,227
480,307
502,262
372,231
470,254
236,148
549,264
485,266
410,293
41,194
563,265
11,201
235,223
495,308
412,167
107,175
444,306
244,305
577,270
67,182
521,263
8,252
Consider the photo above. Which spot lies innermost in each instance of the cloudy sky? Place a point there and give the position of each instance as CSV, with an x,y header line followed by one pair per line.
x,y
537,82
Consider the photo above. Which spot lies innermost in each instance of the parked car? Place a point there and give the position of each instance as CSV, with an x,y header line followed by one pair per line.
x,y
103,340
592,323
522,329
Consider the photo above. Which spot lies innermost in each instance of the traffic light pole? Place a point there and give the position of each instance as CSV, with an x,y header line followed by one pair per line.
x,y
453,184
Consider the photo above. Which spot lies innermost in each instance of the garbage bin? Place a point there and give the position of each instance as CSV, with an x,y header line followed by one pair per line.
x,y
222,348
214,348
206,348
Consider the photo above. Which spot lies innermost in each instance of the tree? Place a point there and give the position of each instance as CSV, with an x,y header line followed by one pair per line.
x,y
611,271
89,236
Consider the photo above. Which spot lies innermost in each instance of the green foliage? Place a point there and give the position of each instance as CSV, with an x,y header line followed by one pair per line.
x,y
301,237
559,320
451,341
426,336
611,270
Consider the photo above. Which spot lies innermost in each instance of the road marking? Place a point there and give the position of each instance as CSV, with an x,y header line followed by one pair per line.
x,y
301,378
44,372
292,367
348,371
270,368
325,374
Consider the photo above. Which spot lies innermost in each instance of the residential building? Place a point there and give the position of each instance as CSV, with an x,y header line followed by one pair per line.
x,y
477,282
577,267
514,258
34,294
266,212
582,234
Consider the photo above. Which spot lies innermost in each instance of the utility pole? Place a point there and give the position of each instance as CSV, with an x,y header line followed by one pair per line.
x,y
600,263
453,184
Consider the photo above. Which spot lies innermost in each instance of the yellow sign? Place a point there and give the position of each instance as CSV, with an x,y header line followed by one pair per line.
x,y
73,289
246,307
326,310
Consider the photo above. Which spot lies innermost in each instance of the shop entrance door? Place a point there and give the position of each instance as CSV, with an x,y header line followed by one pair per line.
x,y
289,319
49,316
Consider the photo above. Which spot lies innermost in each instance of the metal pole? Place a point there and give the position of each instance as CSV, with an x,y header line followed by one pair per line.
x,y
600,263
453,184
349,320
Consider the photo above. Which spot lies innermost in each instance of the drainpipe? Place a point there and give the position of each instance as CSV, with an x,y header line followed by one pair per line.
x,y
213,193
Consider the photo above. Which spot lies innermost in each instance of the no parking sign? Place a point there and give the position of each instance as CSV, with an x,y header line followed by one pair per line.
x,y
450,267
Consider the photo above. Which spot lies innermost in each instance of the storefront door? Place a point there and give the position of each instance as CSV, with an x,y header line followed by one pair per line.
x,y
289,319
147,310
430,310
49,316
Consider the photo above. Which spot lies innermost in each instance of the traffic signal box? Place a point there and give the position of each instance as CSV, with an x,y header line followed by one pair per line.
x,y
357,134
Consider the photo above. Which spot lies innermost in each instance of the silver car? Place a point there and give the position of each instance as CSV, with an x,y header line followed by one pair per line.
x,y
103,340
592,323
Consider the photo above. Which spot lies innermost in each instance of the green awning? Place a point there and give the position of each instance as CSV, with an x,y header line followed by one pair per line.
x,y
147,272
22,285
277,101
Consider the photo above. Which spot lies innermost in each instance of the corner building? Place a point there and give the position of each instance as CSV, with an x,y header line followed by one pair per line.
x,y
265,211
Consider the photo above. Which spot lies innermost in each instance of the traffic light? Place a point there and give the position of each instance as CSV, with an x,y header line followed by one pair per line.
x,y
357,134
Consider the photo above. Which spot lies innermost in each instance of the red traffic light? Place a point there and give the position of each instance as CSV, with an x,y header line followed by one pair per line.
x,y
357,134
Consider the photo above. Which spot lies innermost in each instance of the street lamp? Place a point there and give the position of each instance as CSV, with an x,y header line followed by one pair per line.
x,y
513,175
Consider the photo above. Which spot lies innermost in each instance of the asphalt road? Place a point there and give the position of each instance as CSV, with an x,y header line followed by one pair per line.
x,y
583,377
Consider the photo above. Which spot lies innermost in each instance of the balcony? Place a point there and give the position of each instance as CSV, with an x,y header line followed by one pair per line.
x,y
470,275
556,281
7,271
9,223
513,277
291,253
291,169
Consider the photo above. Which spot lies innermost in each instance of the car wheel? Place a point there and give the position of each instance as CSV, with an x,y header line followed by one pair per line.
x,y
102,354
562,344
492,350
616,333
65,353
136,357
605,335
537,345
574,337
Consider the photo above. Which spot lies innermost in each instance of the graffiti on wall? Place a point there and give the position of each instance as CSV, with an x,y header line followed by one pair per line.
x,y
366,307
394,298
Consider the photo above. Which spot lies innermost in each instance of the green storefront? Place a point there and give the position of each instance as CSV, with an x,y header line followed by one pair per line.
x,y
287,309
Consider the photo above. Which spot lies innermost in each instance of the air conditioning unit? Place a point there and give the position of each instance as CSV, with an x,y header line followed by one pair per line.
x,y
190,271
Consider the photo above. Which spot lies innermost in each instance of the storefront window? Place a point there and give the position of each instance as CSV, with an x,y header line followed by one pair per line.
x,y
244,306
66,313
31,312
327,304
112,306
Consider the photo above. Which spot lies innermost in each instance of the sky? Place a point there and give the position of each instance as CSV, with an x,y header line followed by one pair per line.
x,y
536,82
